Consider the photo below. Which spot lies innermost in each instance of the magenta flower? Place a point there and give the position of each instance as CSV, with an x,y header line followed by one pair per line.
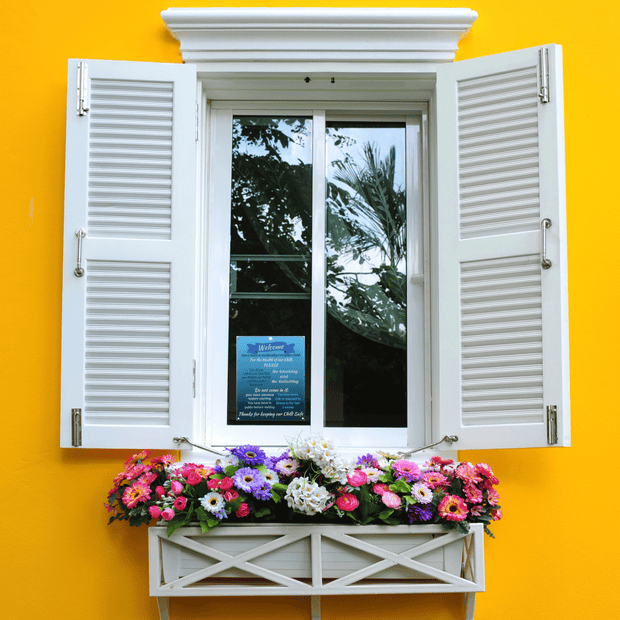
x,y
176,487
193,478
473,494
357,478
167,514
407,470
347,502
496,514
213,483
136,494
434,479
487,472
493,497
243,510
468,473
160,491
391,500
226,483
452,508
230,496
380,488
180,503
155,512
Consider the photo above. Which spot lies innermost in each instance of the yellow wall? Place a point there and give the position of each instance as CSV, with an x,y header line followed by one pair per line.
x,y
555,551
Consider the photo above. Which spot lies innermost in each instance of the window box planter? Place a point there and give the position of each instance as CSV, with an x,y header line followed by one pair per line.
x,y
314,560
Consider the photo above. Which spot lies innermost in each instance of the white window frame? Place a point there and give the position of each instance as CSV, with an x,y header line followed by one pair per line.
x,y
213,371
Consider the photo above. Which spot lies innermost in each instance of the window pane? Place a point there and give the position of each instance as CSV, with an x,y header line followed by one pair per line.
x,y
271,228
366,320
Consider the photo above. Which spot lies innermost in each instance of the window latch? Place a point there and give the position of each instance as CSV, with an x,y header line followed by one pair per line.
x,y
76,428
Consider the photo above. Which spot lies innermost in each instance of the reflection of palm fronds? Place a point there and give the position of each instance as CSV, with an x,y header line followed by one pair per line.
x,y
376,214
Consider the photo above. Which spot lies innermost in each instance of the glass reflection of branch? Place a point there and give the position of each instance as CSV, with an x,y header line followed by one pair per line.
x,y
366,246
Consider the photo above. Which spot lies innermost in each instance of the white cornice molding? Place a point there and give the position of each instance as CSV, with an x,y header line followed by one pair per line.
x,y
277,40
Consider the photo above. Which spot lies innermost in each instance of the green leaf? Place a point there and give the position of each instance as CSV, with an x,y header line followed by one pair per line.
x,y
400,486
230,470
212,522
275,497
263,512
204,528
281,488
261,468
201,513
385,514
174,524
409,499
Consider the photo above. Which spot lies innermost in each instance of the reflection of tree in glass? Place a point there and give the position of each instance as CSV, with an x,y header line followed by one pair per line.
x,y
367,225
272,192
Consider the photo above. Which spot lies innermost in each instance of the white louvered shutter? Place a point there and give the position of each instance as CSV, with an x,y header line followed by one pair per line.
x,y
503,319
127,326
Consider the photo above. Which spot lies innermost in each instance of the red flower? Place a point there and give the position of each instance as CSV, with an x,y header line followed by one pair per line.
x,y
226,483
243,510
180,503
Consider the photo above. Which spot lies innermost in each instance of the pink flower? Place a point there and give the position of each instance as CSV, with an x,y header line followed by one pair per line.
x,y
487,472
467,473
496,515
214,483
357,478
163,461
243,510
160,492
193,478
167,514
347,502
476,511
137,457
155,512
147,478
391,500
492,497
380,488
204,471
134,471
136,494
230,496
473,494
180,503
176,487
438,461
406,469
434,479
452,508
226,483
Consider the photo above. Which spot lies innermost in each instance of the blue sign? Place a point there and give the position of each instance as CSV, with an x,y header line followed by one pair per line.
x,y
271,382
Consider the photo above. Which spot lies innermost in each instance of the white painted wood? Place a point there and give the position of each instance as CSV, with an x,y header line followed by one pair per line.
x,y
282,559
127,336
315,607
502,319
234,41
163,605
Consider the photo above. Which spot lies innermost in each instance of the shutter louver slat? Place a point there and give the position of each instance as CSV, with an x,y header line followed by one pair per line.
x,y
119,134
114,285
487,201
502,401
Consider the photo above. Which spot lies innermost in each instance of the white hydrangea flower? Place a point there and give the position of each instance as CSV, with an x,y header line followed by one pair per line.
x,y
306,496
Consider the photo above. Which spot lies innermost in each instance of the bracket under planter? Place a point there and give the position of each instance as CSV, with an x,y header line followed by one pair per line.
x,y
315,560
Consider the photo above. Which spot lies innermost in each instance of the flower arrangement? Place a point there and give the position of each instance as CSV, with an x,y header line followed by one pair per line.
x,y
309,481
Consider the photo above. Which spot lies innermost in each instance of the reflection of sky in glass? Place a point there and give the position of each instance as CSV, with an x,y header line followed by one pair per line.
x,y
350,150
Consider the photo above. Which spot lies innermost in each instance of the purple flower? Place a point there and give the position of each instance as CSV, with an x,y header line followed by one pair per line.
x,y
250,455
263,492
272,461
248,479
368,460
419,513
406,470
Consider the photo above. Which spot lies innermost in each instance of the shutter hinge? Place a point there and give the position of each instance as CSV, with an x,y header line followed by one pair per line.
x,y
194,382
543,54
552,425
196,122
76,428
82,88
